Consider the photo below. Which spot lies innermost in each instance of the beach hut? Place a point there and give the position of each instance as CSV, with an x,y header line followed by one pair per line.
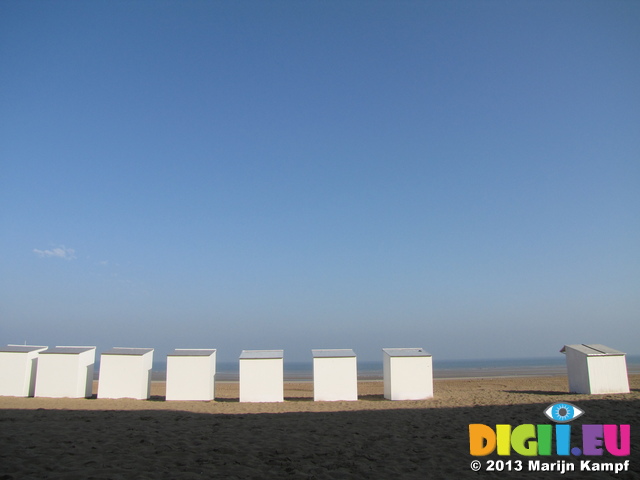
x,y
261,376
596,369
407,374
335,375
191,374
125,373
65,372
18,366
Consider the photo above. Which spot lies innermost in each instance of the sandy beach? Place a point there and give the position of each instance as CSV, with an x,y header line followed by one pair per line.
x,y
298,438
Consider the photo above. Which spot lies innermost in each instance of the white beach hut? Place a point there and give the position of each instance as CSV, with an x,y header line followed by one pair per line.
x,y
407,374
261,376
335,375
191,374
65,372
125,373
18,367
596,369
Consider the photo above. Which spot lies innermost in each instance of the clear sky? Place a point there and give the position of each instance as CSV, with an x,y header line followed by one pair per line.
x,y
462,176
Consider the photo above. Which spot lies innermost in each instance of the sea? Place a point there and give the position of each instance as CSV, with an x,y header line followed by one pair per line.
x,y
442,369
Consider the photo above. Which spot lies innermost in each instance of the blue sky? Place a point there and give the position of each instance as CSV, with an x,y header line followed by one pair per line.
x,y
462,176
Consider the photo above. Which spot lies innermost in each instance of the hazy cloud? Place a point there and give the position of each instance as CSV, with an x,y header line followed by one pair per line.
x,y
59,252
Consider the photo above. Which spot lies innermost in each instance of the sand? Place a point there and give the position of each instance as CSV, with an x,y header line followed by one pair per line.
x,y
299,438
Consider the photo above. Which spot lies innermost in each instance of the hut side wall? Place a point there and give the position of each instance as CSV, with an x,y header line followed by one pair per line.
x,y
386,375
85,373
578,371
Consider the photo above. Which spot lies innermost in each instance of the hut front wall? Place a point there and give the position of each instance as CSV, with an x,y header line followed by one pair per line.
x,y
65,375
608,374
191,378
408,378
17,373
125,376
261,380
335,379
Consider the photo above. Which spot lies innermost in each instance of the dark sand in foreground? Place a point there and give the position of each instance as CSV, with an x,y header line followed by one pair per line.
x,y
372,438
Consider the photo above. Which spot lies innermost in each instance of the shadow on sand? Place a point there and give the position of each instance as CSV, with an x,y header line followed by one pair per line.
x,y
365,444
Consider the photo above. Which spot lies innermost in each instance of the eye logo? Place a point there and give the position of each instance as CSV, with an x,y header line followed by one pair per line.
x,y
563,412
